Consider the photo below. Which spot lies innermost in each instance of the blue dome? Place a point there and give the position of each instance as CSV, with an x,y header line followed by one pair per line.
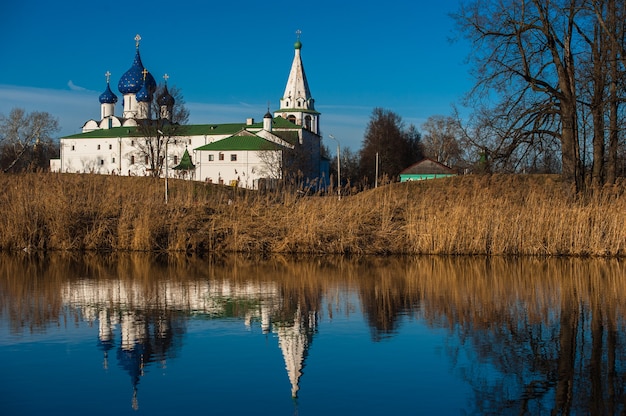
x,y
132,80
107,97
165,99
151,83
144,95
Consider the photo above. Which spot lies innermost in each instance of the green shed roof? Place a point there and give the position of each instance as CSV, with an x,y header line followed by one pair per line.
x,y
185,162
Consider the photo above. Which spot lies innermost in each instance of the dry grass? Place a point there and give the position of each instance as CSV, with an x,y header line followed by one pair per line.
x,y
471,215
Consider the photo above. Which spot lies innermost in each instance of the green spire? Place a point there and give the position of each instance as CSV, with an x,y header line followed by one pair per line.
x,y
185,162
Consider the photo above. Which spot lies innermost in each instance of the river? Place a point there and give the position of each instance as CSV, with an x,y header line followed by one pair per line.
x,y
142,334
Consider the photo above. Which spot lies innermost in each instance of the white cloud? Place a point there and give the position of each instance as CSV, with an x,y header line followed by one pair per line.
x,y
75,87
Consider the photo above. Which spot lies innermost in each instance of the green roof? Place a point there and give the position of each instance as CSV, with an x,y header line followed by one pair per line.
x,y
185,162
213,129
282,123
241,143
289,136
106,133
299,110
188,130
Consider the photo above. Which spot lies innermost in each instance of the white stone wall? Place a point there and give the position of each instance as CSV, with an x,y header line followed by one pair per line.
x,y
245,171
114,156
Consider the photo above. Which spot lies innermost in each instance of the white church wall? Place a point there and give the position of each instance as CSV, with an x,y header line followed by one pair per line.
x,y
240,168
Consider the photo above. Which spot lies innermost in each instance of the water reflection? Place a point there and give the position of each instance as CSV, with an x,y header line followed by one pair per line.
x,y
540,335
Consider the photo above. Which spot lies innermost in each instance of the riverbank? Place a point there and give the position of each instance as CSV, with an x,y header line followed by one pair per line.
x,y
468,215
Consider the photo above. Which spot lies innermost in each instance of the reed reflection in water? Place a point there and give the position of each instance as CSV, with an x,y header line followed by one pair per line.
x,y
529,336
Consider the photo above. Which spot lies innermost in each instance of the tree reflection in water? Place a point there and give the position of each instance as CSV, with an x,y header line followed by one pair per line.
x,y
542,335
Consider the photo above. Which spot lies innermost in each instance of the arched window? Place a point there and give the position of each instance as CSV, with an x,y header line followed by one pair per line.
x,y
307,122
292,118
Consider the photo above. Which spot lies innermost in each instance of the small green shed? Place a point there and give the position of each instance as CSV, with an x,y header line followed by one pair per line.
x,y
426,169
186,166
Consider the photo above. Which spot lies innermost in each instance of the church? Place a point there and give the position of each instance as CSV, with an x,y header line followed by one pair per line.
x,y
146,140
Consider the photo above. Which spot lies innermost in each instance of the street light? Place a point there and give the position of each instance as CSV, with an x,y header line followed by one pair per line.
x,y
338,167
163,134
376,181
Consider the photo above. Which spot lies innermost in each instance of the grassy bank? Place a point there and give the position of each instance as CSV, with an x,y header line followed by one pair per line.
x,y
497,215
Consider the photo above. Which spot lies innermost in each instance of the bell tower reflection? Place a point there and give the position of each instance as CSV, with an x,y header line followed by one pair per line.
x,y
294,341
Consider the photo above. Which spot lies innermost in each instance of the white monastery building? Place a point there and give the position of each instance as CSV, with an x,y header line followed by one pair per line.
x,y
146,140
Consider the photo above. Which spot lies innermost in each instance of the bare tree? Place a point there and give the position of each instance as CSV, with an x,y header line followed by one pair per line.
x,y
26,141
441,139
271,162
510,137
167,125
349,164
526,49
611,18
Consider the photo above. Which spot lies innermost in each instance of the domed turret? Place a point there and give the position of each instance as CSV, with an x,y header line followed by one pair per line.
x,y
107,100
107,97
267,121
133,79
144,95
144,99
132,82
166,99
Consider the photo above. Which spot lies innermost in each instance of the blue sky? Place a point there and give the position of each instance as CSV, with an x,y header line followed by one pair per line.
x,y
231,58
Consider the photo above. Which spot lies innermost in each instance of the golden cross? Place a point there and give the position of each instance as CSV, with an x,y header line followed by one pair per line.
x,y
166,77
145,73
108,75
137,39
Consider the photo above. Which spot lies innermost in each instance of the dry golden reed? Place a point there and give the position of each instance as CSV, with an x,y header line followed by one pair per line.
x,y
466,215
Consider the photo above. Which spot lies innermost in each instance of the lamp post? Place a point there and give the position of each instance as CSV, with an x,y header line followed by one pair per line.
x,y
162,134
338,167
376,180
194,170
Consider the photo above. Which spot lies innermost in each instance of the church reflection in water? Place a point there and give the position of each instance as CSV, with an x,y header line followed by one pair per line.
x,y
553,331
145,324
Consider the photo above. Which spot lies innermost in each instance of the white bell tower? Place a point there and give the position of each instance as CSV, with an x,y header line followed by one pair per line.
x,y
297,105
